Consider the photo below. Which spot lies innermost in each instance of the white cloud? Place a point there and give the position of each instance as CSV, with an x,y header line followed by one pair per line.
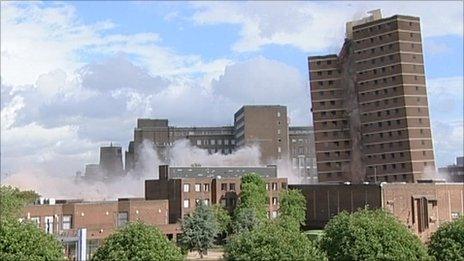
x,y
446,99
37,39
317,26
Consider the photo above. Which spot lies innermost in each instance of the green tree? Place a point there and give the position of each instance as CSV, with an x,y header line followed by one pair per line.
x,y
199,229
137,241
272,242
448,242
292,209
24,241
254,195
245,219
370,235
223,220
12,201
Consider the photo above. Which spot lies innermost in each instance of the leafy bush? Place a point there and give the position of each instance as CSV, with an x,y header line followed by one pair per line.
x,y
137,241
272,242
24,241
448,242
370,235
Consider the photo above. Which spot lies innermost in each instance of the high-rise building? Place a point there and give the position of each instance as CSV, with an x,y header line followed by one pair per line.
x,y
369,104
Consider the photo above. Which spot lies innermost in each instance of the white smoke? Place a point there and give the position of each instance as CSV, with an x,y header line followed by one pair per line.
x,y
182,153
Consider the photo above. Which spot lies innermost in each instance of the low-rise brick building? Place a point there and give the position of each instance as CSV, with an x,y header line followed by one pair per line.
x,y
184,187
423,206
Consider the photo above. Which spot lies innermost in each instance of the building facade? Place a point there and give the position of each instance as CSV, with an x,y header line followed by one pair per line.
x,y
63,218
423,207
369,104
265,126
185,187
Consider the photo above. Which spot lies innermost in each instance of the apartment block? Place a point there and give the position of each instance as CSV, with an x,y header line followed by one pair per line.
x,y
422,206
185,187
369,104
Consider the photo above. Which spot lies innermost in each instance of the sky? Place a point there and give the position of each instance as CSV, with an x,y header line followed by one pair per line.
x,y
77,75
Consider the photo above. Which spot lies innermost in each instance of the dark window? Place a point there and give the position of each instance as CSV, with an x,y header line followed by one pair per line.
x,y
223,186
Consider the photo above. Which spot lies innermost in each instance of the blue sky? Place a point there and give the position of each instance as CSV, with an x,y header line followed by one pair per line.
x,y
76,75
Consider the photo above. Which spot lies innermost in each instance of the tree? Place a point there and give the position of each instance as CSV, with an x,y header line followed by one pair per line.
x,y
223,220
199,229
447,243
370,235
254,195
292,208
25,241
13,200
137,241
245,219
272,242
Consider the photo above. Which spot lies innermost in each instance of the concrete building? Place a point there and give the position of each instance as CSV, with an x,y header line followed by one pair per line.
x,y
63,218
265,126
185,187
110,165
369,104
302,154
423,207
455,172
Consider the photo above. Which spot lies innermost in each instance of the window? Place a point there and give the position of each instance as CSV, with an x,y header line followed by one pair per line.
x,y
186,187
232,186
206,187
123,218
197,187
274,201
186,203
278,114
224,186
206,202
213,142
49,224
197,201
36,220
66,222
267,186
274,186
198,142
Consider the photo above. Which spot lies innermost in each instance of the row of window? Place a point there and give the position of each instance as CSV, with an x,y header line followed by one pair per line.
x,y
328,72
380,38
66,222
337,143
391,155
385,80
300,141
382,59
186,203
389,134
302,163
391,145
214,142
389,123
390,25
198,187
337,153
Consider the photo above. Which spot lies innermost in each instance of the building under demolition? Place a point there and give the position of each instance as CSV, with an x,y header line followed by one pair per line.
x,y
369,104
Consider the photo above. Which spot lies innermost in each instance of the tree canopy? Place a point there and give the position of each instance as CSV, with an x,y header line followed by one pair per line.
x,y
199,229
223,219
370,235
13,200
137,241
25,241
292,208
448,242
270,241
254,195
